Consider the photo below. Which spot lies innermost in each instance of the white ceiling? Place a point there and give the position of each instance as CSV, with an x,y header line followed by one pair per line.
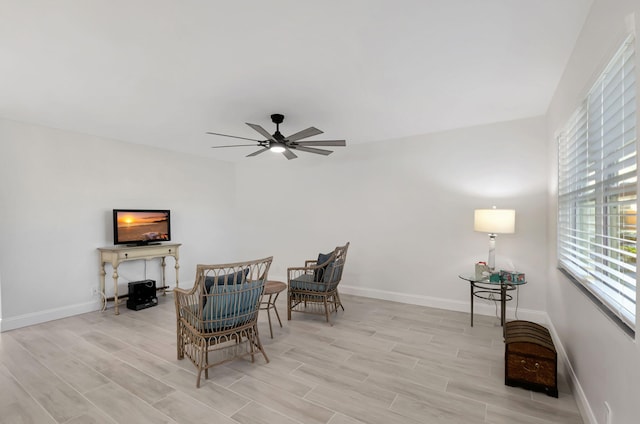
x,y
163,72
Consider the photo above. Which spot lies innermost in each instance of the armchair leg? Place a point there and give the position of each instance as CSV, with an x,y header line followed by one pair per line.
x,y
338,301
255,342
198,379
206,363
251,336
266,358
180,347
326,311
203,359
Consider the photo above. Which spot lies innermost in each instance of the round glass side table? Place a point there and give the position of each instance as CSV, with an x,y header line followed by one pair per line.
x,y
482,288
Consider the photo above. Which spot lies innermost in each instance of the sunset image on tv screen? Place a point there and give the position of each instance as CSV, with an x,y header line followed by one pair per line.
x,y
142,226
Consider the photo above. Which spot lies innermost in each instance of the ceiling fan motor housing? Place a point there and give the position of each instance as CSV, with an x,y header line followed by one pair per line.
x,y
277,118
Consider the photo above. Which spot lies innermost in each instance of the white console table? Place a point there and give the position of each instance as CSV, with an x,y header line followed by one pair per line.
x,y
115,255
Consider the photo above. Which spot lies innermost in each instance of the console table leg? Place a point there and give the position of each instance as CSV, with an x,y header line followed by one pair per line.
x,y
115,288
177,267
103,298
163,263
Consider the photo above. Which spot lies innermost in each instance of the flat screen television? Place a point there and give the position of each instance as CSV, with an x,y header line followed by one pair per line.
x,y
138,227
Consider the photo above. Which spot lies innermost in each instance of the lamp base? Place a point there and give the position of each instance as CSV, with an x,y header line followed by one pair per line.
x,y
491,263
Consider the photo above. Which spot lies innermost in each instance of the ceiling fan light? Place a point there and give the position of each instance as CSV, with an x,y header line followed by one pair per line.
x,y
277,148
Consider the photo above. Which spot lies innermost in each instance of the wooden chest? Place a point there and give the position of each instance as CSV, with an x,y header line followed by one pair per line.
x,y
530,358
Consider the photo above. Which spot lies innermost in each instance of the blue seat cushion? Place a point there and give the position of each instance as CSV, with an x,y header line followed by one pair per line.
x,y
318,274
232,305
309,283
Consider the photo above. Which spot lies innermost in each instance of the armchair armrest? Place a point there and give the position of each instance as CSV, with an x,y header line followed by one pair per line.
x,y
294,272
181,291
309,268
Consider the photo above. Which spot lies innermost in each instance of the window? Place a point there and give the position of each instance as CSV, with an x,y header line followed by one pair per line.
x,y
597,190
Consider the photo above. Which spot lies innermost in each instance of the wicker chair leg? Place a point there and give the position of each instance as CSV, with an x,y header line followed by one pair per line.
x,y
179,348
266,358
326,310
202,354
252,344
206,366
258,344
289,306
180,344
338,301
198,379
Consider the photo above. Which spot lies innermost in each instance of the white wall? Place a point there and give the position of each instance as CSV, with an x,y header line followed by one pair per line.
x,y
605,361
407,206
58,189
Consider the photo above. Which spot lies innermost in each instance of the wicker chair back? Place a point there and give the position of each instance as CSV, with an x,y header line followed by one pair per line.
x,y
218,316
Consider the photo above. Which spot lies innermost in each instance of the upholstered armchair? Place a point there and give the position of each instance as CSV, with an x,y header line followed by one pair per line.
x,y
313,288
217,318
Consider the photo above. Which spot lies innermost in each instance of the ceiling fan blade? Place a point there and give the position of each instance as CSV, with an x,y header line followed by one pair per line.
x,y
234,136
289,154
257,152
262,131
309,132
234,145
323,143
312,150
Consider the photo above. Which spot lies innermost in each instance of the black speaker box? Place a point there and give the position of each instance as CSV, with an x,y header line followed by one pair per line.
x,y
142,294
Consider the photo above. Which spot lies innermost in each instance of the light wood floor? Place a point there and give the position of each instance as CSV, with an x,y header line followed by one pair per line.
x,y
382,362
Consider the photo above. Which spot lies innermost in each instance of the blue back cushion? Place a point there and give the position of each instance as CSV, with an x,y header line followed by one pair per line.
x,y
232,305
233,278
333,274
318,274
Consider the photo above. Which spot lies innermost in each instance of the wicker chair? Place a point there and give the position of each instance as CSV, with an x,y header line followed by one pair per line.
x,y
219,314
314,287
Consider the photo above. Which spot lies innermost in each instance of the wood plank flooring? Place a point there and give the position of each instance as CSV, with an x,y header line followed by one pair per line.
x,y
381,362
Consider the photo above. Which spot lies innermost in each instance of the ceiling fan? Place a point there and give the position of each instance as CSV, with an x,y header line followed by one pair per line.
x,y
285,145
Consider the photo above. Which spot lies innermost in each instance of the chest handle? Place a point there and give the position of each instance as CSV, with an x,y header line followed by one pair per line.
x,y
536,366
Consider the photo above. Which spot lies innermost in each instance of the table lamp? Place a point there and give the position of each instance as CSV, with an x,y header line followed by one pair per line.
x,y
494,221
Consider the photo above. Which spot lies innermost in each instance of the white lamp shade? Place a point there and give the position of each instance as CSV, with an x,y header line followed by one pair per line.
x,y
495,221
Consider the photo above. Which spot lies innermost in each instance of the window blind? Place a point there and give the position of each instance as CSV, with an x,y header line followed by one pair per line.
x,y
597,189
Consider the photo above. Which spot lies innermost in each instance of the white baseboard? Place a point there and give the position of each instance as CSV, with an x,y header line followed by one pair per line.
x,y
576,388
39,317
480,307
